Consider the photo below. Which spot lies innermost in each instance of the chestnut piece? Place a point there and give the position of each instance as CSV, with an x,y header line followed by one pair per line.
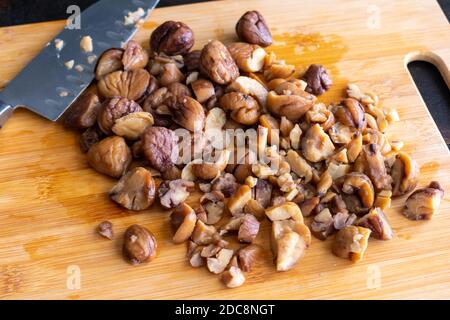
x,y
111,156
135,190
173,193
83,112
244,108
216,62
317,79
172,38
90,137
113,109
105,230
139,245
423,203
252,28
128,84
109,61
134,57
159,147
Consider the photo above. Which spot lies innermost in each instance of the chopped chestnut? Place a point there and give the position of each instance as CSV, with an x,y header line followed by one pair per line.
x,y
139,245
351,114
135,190
244,109
239,199
423,203
233,277
172,193
249,228
405,174
351,243
204,234
248,57
113,109
183,220
213,204
322,225
343,219
249,256
376,221
219,263
317,145
284,211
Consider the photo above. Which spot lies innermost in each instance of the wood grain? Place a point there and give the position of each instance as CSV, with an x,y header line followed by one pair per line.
x,y
51,201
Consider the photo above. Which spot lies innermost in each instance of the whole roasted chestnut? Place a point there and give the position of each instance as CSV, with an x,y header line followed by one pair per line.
x,y
110,156
139,244
216,62
134,57
83,112
159,147
172,38
128,84
252,28
109,61
187,112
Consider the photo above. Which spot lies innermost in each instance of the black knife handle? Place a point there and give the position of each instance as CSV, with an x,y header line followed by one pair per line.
x,y
6,111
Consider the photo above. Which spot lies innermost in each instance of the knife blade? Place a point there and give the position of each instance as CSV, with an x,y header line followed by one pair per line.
x,y
46,86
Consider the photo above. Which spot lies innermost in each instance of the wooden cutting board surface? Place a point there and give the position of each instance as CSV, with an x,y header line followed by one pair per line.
x,y
51,201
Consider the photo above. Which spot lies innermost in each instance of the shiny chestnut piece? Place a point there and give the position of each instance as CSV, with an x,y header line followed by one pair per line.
x,y
139,244
252,28
172,38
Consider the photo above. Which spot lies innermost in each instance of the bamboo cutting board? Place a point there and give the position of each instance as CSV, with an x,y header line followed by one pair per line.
x,y
51,201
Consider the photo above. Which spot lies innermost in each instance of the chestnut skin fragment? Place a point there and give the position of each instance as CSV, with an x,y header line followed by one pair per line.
x,y
139,245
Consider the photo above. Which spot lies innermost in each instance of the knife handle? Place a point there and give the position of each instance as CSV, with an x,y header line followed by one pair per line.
x,y
6,111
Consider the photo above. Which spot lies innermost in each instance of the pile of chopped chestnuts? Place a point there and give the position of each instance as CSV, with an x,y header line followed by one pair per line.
x,y
241,126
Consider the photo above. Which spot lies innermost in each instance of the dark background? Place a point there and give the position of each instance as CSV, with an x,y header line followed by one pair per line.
x,y
428,79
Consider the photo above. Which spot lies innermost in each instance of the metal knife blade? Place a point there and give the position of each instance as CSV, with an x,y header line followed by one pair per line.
x,y
46,86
